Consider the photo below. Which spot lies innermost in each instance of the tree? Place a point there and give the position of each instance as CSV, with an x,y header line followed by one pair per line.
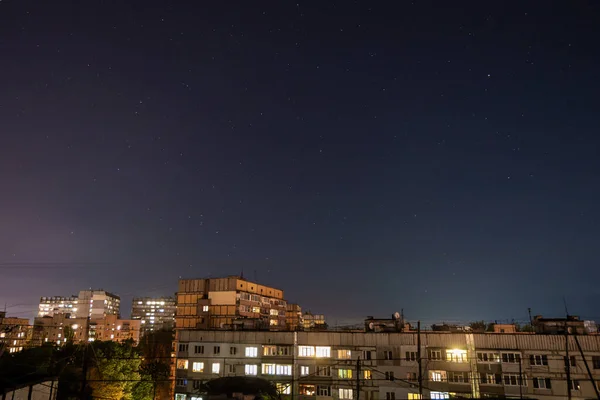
x,y
156,348
155,372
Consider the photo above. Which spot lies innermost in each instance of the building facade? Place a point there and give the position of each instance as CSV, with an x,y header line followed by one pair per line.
x,y
97,304
293,317
216,303
115,329
15,333
154,313
385,366
50,306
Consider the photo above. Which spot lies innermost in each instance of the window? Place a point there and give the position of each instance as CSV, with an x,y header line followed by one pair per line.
x,y
205,308
251,351
411,376
511,358
456,355
304,370
596,362
323,352
542,383
458,377
345,373
217,350
390,396
233,351
491,379
306,390
283,388
367,354
435,354
367,374
389,376
323,390
181,382
268,369
570,361
345,393
439,395
437,376
180,396
269,350
411,356
198,367
414,396
251,369
387,355
283,351
488,357
231,368
199,349
283,369
183,347
216,368
514,380
182,364
324,371
575,385
344,354
306,351
538,359
197,384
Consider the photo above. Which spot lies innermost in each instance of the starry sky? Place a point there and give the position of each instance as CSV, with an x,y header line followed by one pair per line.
x,y
440,157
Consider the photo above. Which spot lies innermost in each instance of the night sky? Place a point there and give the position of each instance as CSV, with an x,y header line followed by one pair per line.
x,y
436,156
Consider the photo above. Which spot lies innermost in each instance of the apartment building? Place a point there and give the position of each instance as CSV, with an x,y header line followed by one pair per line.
x,y
15,333
327,364
216,303
115,329
313,321
154,313
50,306
97,304
293,317
59,329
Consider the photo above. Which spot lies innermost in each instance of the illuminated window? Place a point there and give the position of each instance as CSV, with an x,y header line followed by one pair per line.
x,y
439,395
414,396
182,364
198,367
283,388
345,394
284,369
344,354
345,373
323,352
251,369
304,370
216,368
251,351
367,374
274,312
268,369
205,308
437,376
306,351
456,355
269,350
306,390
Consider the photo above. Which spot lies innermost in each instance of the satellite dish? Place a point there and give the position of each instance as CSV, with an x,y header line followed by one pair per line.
x,y
371,326
397,315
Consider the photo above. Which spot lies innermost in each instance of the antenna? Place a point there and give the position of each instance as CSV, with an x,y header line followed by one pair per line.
x,y
566,309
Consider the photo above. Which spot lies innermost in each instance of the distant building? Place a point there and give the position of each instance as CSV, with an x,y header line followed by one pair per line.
x,y
115,329
558,326
154,313
505,328
293,317
97,304
59,329
394,324
219,303
15,333
313,321
590,327
50,306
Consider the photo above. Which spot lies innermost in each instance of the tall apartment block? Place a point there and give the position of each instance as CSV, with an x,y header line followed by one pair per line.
x,y
154,313
216,303
385,366
97,304
50,306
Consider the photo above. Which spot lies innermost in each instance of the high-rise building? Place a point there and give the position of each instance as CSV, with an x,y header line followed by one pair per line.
x,y
293,317
50,306
154,313
97,304
223,302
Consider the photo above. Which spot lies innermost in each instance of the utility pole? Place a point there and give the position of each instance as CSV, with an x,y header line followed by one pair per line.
x,y
358,378
567,361
419,359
